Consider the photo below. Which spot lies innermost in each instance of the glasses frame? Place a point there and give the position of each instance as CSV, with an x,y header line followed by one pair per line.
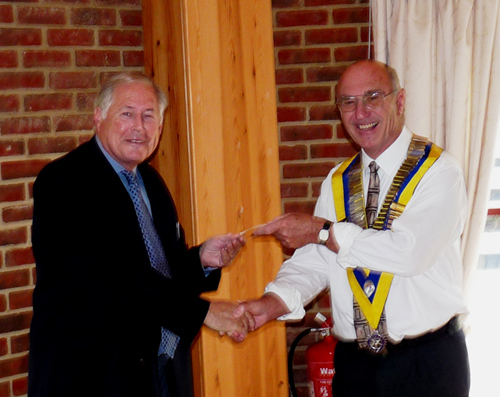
x,y
363,99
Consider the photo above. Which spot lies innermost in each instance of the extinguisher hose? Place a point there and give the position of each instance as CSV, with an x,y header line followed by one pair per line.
x,y
290,359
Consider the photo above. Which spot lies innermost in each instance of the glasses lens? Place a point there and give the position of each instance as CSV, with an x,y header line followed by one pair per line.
x,y
373,100
347,104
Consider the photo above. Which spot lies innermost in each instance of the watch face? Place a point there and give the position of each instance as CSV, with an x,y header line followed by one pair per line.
x,y
323,235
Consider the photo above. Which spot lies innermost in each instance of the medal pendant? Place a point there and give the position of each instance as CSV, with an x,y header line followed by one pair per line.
x,y
368,288
376,343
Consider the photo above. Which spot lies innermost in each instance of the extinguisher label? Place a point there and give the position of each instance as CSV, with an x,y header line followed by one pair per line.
x,y
320,379
318,370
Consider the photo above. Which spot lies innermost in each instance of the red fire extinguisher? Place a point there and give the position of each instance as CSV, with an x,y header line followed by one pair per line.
x,y
319,359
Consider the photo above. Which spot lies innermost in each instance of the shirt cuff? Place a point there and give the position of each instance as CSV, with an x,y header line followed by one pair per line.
x,y
345,234
292,298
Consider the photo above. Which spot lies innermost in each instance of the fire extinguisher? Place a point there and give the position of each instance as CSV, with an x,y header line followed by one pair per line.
x,y
319,359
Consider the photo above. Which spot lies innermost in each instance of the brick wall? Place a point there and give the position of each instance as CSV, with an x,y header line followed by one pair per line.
x,y
314,42
53,55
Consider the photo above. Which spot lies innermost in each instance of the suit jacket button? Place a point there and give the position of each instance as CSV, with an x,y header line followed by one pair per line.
x,y
142,362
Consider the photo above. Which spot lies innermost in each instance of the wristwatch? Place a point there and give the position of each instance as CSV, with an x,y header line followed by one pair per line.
x,y
324,233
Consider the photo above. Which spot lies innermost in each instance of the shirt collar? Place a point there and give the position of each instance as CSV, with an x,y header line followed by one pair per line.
x,y
394,155
115,164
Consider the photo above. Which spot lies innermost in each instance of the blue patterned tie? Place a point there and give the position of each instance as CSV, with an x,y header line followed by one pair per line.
x,y
169,340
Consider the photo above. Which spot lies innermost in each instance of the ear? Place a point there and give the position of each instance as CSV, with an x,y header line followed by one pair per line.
x,y
97,118
401,100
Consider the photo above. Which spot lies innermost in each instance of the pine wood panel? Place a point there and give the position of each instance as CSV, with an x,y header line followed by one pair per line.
x,y
219,156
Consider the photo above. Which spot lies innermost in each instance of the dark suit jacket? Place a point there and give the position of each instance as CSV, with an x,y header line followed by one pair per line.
x,y
98,305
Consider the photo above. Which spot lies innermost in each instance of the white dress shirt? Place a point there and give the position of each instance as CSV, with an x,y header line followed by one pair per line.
x,y
422,250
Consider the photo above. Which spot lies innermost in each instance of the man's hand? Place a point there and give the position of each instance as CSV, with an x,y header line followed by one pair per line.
x,y
220,318
293,230
269,307
219,251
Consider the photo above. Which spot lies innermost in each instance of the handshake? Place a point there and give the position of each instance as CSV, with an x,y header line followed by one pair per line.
x,y
238,319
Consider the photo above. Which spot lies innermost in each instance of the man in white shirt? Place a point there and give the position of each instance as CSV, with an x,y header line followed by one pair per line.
x,y
396,284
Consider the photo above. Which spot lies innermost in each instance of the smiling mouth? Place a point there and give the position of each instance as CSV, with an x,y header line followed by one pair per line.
x,y
136,141
367,126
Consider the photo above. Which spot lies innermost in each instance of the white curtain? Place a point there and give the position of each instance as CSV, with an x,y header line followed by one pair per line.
x,y
447,54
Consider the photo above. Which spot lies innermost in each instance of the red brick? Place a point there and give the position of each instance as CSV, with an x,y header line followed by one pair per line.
x,y
20,37
56,101
3,303
306,207
21,299
291,114
19,343
287,38
351,15
341,132
331,36
289,190
133,58
119,2
9,193
14,366
315,3
25,125
9,103
41,16
4,348
365,30
131,18
301,18
333,150
325,73
85,101
11,148
351,54
82,122
308,55
93,16
97,58
316,189
13,236
289,76
17,213
22,169
19,257
306,132
8,59
329,112
285,3
5,389
25,80
60,144
305,94
84,138
72,80
55,59
20,386
69,1
120,38
14,278
70,37
6,14
290,153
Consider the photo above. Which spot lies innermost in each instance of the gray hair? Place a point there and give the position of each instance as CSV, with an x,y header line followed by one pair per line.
x,y
105,97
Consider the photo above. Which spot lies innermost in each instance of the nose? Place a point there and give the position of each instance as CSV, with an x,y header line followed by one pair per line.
x,y
138,122
361,110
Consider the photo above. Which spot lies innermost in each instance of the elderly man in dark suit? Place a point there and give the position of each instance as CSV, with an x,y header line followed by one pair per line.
x,y
114,275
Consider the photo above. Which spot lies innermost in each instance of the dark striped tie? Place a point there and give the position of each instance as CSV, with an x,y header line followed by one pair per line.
x,y
169,340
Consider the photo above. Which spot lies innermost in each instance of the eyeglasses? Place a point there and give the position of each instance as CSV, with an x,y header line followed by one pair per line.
x,y
373,100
